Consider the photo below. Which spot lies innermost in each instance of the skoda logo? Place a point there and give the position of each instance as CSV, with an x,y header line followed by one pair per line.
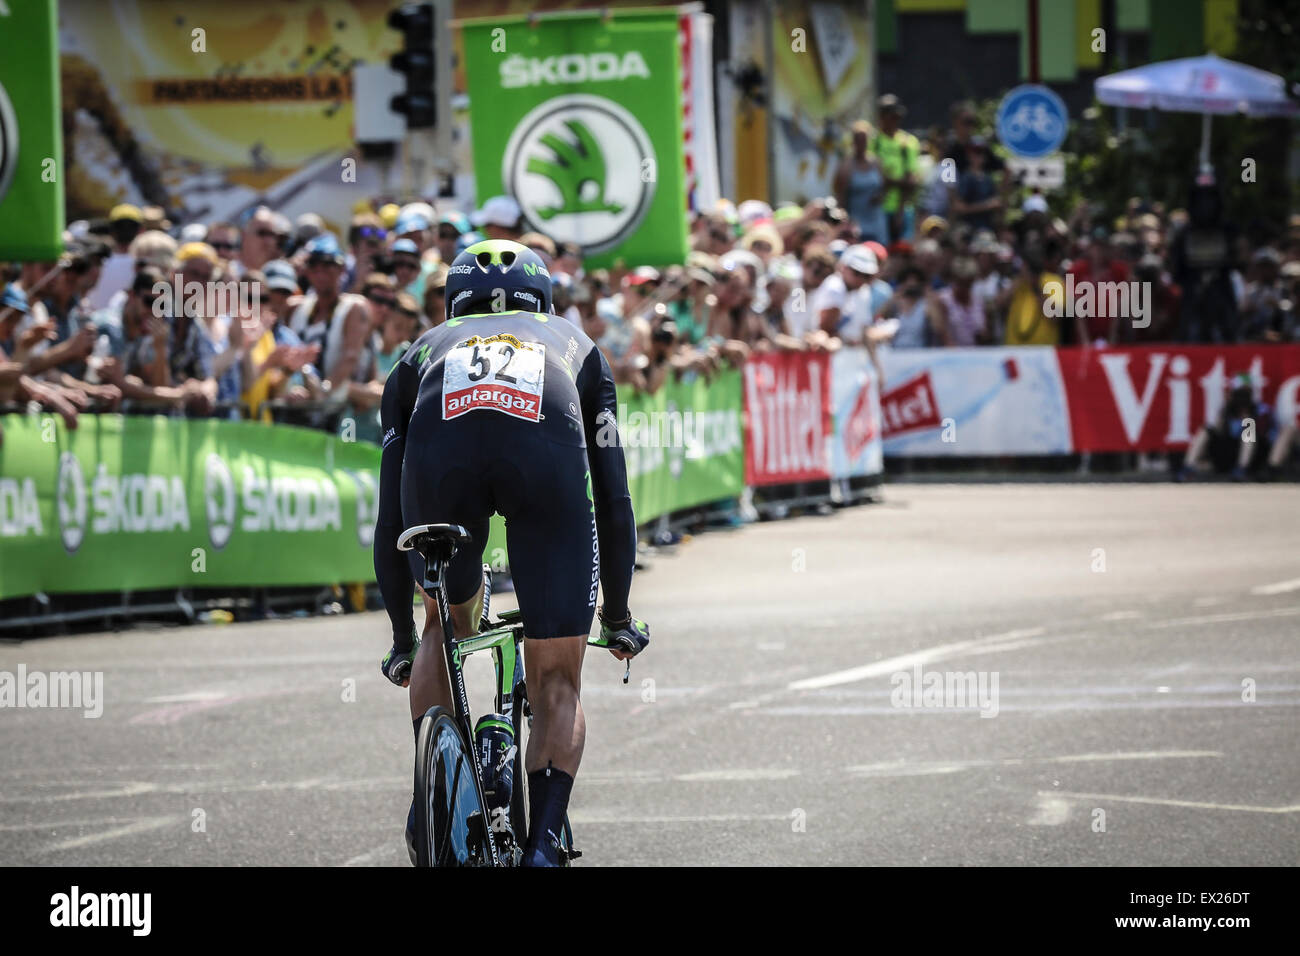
x,y
367,506
8,142
71,502
219,490
675,440
575,165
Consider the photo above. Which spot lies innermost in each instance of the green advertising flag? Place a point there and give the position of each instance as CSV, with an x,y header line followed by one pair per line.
x,y
31,140
579,117
128,503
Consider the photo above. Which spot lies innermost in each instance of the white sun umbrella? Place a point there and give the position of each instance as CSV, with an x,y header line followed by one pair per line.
x,y
1198,84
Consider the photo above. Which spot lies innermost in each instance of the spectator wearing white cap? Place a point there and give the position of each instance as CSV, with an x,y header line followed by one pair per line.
x,y
751,212
499,218
866,293
824,295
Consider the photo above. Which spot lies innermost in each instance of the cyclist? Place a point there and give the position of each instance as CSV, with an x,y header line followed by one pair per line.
x,y
508,408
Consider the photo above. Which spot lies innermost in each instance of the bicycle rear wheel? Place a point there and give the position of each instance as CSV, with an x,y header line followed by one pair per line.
x,y
449,818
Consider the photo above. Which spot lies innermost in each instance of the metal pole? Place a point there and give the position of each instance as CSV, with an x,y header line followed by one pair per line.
x,y
1205,142
1032,28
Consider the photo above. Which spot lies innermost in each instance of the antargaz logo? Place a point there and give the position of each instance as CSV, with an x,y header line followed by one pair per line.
x,y
575,165
8,142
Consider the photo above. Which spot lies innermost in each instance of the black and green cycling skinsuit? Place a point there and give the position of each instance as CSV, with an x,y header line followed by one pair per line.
x,y
512,412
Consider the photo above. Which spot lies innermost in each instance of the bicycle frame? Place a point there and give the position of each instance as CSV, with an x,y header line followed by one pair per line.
x,y
503,642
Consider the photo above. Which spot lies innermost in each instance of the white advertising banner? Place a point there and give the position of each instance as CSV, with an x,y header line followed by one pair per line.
x,y
973,402
856,447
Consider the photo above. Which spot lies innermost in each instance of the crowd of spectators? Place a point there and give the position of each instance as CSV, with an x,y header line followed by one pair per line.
x,y
924,243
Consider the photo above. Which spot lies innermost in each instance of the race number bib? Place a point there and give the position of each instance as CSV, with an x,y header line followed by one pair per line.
x,y
499,372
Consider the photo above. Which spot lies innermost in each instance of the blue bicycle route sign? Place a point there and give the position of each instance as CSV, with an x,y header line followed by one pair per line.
x,y
1032,121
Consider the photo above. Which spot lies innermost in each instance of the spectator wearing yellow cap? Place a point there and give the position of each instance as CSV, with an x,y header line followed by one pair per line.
x,y
763,241
124,223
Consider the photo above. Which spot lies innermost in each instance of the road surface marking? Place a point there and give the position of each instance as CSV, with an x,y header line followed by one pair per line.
x,y
1163,802
1121,615
198,695
904,662
591,817
701,776
117,833
900,768
1224,618
1277,587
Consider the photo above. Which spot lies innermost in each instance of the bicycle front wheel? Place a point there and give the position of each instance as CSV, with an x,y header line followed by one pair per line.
x,y
449,817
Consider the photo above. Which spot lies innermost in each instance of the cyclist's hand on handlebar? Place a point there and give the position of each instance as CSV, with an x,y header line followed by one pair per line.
x,y
396,665
624,639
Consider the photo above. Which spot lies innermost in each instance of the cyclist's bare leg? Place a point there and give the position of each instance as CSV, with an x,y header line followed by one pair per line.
x,y
430,683
559,728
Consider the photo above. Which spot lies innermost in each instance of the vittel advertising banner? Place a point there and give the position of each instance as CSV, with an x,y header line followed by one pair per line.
x,y
977,401
1156,397
788,417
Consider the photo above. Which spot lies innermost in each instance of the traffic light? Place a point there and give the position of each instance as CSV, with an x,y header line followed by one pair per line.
x,y
415,63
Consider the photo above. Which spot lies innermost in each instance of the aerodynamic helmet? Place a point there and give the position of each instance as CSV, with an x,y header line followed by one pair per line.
x,y
497,275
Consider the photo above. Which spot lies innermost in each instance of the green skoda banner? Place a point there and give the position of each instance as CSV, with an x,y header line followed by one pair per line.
x,y
684,445
31,143
133,503
580,119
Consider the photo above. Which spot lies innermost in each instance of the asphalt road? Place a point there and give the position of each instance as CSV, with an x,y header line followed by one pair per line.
x,y
1123,625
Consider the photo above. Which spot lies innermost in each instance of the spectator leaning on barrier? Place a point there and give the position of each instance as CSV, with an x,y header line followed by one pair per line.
x,y
122,332
734,326
338,323
275,352
124,224
865,293
1028,318
1262,315
823,299
920,321
1098,265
